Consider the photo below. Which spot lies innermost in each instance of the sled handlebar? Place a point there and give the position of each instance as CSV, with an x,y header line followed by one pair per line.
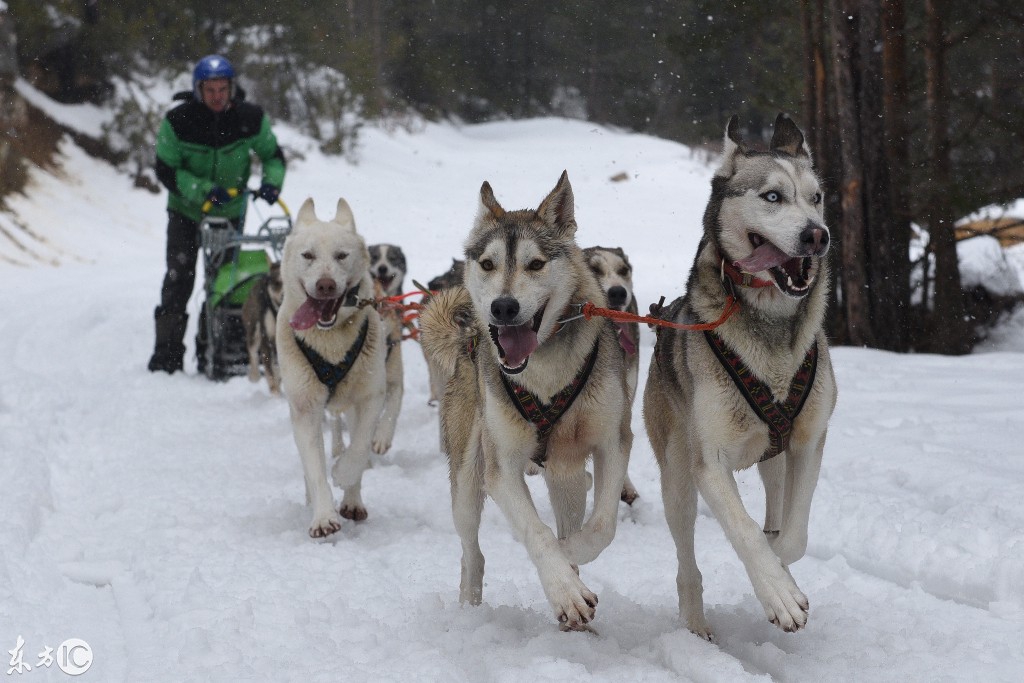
x,y
234,192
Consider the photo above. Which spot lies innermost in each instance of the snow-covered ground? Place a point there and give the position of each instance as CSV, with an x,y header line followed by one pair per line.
x,y
161,519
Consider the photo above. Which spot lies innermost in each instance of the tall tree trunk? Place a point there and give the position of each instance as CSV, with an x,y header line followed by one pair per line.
x,y
822,132
853,276
885,246
949,332
894,70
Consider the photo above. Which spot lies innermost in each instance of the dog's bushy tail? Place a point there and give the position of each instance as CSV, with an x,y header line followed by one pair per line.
x,y
447,329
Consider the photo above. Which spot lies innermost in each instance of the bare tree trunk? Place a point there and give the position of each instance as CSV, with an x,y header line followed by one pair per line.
x,y
822,132
894,69
949,333
853,276
885,247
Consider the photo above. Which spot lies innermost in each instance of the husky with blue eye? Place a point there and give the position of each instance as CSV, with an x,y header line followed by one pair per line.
x,y
759,389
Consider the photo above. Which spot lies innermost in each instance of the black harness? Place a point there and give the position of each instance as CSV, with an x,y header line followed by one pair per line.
x,y
331,374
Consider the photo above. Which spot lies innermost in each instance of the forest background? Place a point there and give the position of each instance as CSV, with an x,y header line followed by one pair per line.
x,y
913,109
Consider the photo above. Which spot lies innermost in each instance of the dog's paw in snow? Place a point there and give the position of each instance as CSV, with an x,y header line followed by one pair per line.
x,y
324,525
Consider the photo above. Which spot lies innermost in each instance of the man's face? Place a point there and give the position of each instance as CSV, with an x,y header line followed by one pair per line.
x,y
216,94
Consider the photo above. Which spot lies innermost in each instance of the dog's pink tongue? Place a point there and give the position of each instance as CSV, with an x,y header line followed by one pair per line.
x,y
625,341
518,342
764,257
308,313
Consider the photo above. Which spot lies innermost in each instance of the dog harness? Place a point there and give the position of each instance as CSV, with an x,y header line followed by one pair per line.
x,y
544,417
778,416
330,374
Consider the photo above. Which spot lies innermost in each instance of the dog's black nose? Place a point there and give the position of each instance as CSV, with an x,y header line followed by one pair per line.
x,y
504,310
814,238
382,270
617,296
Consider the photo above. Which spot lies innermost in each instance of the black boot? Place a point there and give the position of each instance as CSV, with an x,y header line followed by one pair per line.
x,y
169,351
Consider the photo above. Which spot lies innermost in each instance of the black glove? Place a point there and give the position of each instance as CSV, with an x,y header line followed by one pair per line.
x,y
218,195
268,193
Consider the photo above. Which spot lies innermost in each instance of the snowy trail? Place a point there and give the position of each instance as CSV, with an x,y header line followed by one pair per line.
x,y
161,519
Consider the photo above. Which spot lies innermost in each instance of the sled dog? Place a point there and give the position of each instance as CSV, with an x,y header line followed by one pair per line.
x,y
259,318
388,269
611,267
759,388
530,381
332,353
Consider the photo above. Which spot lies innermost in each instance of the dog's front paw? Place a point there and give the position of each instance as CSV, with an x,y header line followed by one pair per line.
x,y
784,603
574,603
324,525
381,445
357,513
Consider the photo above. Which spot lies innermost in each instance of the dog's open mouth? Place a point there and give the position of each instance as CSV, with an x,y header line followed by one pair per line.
x,y
793,275
322,313
516,342
385,280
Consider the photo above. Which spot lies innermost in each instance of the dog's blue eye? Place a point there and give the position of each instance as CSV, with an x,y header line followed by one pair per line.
x,y
771,196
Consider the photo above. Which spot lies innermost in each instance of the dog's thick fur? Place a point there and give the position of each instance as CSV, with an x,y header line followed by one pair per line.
x,y
322,264
764,216
523,270
450,278
259,318
611,267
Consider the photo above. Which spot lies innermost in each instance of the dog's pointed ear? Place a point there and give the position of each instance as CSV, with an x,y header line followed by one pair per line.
x,y
731,146
488,204
307,212
343,215
788,138
558,208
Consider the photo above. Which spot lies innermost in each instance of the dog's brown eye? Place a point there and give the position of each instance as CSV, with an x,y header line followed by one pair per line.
x,y
623,271
487,265
817,198
341,256
308,255
536,264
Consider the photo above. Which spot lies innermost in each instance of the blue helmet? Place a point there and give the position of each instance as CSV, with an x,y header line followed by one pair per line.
x,y
210,67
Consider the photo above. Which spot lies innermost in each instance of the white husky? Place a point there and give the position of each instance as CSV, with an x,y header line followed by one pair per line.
x,y
331,350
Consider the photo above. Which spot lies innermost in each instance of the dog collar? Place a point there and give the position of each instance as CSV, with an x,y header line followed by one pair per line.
x,y
778,416
739,277
332,374
544,417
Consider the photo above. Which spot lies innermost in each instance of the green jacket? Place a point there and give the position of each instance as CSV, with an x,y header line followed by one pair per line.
x,y
197,149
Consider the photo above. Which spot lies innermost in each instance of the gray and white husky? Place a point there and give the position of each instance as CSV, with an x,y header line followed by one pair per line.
x,y
332,351
524,383
759,388
611,267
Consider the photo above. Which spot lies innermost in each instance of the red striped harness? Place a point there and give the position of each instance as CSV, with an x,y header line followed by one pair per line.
x,y
778,416
544,417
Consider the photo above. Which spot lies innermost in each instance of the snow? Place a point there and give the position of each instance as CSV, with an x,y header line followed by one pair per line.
x,y
162,519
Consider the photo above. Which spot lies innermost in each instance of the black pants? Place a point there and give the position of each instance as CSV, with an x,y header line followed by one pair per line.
x,y
183,242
